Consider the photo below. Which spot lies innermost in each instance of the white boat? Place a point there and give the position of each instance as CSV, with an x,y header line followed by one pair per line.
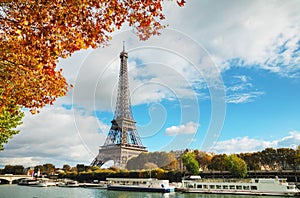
x,y
28,182
69,183
45,183
139,184
266,186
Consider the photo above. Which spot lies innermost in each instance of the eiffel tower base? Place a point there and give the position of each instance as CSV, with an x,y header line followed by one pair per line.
x,y
120,154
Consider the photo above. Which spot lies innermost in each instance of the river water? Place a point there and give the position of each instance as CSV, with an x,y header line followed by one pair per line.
x,y
16,191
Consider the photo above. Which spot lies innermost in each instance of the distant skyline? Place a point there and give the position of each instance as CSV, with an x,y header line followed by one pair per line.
x,y
224,77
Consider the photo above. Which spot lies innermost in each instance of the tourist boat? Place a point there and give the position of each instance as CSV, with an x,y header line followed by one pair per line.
x,y
259,186
69,183
45,183
28,182
139,184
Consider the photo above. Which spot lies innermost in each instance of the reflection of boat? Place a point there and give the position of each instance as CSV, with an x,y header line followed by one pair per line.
x,y
139,184
94,184
269,186
28,182
41,183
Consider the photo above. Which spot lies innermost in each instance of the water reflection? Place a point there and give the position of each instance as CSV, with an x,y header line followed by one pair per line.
x,y
8,191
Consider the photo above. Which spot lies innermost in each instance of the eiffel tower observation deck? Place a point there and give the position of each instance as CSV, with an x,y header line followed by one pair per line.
x,y
123,141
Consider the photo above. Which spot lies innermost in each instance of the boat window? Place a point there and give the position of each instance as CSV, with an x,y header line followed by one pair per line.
x,y
232,187
190,186
246,187
290,187
239,187
256,181
253,187
225,187
218,186
199,186
212,186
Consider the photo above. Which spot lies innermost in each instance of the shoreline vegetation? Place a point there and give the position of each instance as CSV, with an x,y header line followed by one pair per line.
x,y
282,162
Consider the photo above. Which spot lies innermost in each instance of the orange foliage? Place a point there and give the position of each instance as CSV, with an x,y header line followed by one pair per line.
x,y
35,33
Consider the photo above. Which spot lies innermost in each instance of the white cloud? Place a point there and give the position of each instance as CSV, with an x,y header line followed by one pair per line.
x,y
248,144
158,69
57,136
243,97
240,90
188,128
250,30
293,140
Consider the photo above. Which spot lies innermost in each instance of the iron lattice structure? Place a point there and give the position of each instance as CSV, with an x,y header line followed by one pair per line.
x,y
123,141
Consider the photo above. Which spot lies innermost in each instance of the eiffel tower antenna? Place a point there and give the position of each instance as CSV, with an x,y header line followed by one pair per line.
x,y
123,141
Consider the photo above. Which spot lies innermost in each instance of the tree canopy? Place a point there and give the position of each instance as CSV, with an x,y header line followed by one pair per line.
x,y
35,33
237,166
190,162
9,120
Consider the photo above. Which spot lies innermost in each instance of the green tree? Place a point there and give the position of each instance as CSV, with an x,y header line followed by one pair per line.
x,y
252,160
16,170
237,166
297,158
269,158
48,169
95,168
203,158
190,162
218,162
80,167
9,120
66,168
285,158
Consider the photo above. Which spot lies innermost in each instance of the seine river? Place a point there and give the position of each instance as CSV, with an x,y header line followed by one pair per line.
x,y
16,191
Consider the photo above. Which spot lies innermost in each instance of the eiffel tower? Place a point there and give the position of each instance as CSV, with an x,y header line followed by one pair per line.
x,y
123,141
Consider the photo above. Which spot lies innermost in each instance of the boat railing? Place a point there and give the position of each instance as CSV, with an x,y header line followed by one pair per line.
x,y
222,180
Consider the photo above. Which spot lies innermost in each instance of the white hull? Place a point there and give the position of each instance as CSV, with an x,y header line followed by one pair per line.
x,y
251,187
139,184
70,184
238,192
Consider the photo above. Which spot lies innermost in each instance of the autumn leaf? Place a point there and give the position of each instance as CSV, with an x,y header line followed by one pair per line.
x,y
181,3
36,33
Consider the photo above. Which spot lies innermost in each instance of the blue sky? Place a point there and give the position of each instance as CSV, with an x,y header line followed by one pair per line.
x,y
224,77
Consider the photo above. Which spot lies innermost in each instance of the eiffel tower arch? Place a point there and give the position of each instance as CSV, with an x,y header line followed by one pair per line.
x,y
123,141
